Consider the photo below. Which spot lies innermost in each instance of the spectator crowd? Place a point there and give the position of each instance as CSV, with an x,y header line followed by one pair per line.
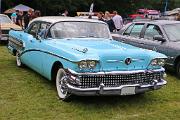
x,y
114,21
22,19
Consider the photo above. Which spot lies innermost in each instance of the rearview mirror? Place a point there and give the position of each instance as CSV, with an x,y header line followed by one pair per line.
x,y
159,38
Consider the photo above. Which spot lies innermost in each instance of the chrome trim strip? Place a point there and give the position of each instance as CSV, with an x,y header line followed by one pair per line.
x,y
50,53
112,61
133,60
158,84
116,72
16,42
116,88
169,64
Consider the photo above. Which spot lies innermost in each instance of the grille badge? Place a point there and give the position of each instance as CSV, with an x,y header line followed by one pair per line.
x,y
128,61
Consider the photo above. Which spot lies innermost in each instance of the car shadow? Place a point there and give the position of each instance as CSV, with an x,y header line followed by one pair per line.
x,y
172,73
112,100
3,43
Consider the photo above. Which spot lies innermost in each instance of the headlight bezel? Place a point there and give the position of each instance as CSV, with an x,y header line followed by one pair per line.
x,y
82,64
87,64
158,62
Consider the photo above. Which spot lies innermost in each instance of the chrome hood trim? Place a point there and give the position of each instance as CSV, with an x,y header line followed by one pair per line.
x,y
116,72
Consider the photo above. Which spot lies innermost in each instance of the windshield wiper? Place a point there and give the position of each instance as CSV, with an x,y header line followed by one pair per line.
x,y
82,37
90,36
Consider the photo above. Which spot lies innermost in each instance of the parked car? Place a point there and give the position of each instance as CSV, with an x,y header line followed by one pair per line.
x,y
5,25
159,35
80,55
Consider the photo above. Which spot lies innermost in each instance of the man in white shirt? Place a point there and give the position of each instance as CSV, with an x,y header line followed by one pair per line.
x,y
65,14
118,21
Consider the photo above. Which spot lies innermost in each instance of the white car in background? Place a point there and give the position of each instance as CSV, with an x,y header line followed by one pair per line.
x,y
5,25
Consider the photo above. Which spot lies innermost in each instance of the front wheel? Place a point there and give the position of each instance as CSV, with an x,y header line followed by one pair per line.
x,y
61,86
178,69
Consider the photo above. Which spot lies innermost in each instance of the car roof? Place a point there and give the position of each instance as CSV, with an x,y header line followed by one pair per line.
x,y
54,19
158,22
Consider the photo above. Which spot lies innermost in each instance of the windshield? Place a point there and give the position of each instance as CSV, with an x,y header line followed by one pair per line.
x,y
173,31
4,19
79,30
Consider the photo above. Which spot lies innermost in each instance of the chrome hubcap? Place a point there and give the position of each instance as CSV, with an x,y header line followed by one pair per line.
x,y
62,85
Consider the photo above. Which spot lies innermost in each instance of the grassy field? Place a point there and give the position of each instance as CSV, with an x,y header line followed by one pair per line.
x,y
26,95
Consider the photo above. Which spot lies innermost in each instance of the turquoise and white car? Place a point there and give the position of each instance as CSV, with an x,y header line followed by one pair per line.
x,y
80,55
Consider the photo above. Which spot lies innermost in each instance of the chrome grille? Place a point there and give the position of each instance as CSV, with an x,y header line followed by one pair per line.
x,y
89,81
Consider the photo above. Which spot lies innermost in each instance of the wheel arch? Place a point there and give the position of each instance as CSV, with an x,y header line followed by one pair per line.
x,y
176,61
56,65
14,52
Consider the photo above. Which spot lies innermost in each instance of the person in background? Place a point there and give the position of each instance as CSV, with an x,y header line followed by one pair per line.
x,y
37,13
109,21
90,17
118,21
65,14
19,19
100,16
178,17
27,18
14,16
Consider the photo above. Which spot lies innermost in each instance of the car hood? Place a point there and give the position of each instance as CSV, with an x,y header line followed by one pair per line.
x,y
8,26
110,54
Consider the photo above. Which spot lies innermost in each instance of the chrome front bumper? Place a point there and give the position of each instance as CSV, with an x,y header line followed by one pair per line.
x,y
120,90
114,90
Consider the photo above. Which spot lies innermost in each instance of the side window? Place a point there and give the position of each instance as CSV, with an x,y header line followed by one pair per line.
x,y
34,29
136,30
43,29
128,30
151,31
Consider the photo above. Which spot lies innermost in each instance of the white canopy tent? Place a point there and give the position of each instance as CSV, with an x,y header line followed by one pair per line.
x,y
19,7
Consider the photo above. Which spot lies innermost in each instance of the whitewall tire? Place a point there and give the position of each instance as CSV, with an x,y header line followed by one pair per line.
x,y
61,86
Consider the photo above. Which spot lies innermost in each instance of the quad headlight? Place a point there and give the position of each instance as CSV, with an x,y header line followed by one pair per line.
x,y
158,62
90,64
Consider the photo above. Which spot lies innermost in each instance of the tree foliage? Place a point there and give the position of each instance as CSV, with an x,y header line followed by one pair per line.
x,y
54,7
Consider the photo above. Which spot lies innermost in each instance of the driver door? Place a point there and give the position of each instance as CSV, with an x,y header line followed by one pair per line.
x,y
33,57
148,38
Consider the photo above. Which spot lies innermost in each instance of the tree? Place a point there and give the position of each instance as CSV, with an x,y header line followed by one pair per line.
x,y
54,7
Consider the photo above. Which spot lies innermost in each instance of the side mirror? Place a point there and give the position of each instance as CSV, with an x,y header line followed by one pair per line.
x,y
159,38
38,37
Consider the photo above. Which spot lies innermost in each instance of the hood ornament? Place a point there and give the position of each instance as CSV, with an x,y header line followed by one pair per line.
x,y
128,61
81,50
84,50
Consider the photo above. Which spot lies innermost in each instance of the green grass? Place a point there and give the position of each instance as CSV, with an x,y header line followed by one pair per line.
x,y
24,94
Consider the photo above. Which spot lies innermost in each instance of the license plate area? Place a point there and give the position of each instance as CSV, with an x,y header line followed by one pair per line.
x,y
128,91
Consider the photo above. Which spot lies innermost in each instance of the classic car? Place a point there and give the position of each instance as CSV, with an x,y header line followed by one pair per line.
x,y
80,55
5,25
159,35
